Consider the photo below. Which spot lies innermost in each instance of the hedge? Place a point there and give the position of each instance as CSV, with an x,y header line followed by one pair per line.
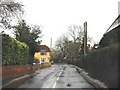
x,y
112,37
14,52
102,64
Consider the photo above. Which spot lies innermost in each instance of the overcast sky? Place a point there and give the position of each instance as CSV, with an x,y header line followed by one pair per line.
x,y
56,15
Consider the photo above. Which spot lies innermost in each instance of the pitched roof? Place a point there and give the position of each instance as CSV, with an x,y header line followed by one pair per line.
x,y
44,48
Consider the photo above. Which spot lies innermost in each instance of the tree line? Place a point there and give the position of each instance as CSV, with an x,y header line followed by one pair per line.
x,y
29,34
70,45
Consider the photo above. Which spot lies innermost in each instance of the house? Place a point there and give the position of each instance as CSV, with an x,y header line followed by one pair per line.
x,y
44,55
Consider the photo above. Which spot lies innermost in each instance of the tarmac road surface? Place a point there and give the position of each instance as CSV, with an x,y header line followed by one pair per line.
x,y
57,76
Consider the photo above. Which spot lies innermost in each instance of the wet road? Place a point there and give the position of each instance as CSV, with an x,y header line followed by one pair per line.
x,y
57,76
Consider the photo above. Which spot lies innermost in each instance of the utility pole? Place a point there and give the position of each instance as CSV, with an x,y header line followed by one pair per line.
x,y
118,8
85,38
118,11
51,43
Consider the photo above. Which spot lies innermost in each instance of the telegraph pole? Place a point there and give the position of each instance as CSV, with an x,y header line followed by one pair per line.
x,y
118,8
85,38
51,43
118,11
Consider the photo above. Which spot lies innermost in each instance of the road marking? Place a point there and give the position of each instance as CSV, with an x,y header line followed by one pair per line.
x,y
54,85
57,78
60,73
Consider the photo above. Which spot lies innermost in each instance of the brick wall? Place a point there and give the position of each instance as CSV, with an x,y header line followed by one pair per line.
x,y
10,72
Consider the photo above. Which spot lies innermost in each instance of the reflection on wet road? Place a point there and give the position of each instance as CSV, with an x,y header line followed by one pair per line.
x,y
57,76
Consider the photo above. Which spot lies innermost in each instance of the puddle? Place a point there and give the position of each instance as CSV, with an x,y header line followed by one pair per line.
x,y
68,85
61,76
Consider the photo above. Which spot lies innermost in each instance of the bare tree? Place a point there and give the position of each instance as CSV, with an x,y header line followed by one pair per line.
x,y
9,9
76,32
71,45
60,43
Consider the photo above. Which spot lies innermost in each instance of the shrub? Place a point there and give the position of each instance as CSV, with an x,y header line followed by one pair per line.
x,y
14,52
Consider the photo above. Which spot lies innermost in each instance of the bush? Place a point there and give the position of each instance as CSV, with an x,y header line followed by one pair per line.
x,y
14,52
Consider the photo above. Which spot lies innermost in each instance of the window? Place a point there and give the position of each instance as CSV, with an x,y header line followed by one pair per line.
x,y
43,53
43,60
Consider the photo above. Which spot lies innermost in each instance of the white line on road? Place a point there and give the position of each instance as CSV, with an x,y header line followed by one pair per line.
x,y
60,73
57,78
54,85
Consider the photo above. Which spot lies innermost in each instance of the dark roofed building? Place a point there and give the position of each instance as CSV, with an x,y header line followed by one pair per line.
x,y
44,48
44,54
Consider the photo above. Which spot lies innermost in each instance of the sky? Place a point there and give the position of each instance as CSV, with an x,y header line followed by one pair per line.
x,y
56,15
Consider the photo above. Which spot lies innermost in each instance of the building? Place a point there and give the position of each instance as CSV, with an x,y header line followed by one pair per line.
x,y
44,55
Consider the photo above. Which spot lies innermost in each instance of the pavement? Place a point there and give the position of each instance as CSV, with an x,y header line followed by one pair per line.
x,y
57,76
94,82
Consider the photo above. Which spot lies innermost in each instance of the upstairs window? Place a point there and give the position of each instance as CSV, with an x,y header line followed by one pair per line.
x,y
43,53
